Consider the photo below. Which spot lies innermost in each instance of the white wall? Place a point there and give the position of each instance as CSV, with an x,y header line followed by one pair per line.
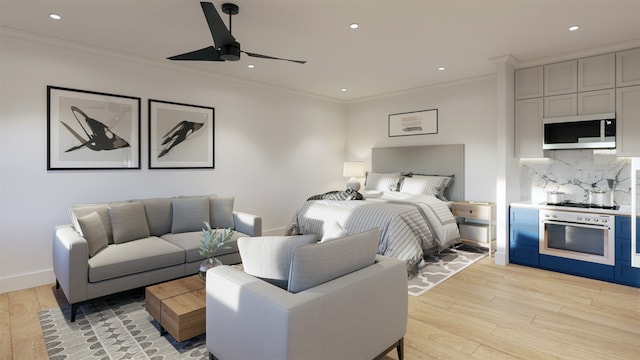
x,y
466,115
273,148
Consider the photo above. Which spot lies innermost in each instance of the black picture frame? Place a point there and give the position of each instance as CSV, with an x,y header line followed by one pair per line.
x,y
89,130
422,122
181,136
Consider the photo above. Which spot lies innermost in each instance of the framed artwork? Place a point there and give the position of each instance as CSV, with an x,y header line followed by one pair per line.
x,y
181,136
414,123
92,130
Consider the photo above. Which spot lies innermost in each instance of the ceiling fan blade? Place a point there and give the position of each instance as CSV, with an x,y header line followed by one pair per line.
x,y
207,54
221,35
273,58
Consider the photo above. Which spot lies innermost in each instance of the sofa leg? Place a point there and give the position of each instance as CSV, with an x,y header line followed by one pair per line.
x,y
57,284
74,309
400,349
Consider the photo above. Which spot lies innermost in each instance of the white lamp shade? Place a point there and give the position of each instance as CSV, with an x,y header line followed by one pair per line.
x,y
353,169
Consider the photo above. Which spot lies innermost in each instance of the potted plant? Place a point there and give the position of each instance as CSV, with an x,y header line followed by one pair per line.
x,y
213,239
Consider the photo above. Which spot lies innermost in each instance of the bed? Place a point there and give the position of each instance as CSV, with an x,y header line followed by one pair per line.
x,y
408,194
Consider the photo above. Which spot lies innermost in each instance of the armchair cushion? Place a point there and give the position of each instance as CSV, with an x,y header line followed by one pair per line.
x,y
269,257
128,221
315,264
94,232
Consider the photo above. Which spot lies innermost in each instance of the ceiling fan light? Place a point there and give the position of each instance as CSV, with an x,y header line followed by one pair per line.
x,y
230,52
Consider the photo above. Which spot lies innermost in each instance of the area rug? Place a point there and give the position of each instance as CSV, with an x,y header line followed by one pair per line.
x,y
438,267
114,327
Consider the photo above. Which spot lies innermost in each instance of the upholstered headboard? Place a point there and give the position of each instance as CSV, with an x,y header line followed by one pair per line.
x,y
425,159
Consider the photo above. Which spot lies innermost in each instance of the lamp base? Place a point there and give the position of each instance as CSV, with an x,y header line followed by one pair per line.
x,y
353,184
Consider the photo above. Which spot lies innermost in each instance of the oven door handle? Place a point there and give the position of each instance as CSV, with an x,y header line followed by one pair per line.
x,y
599,227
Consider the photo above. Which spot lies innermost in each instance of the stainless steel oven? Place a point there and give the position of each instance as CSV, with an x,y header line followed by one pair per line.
x,y
578,235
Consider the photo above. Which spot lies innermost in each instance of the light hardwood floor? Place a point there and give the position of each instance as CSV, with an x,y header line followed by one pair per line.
x,y
486,311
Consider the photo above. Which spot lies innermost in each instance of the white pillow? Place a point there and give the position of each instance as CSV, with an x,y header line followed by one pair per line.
x,y
382,182
269,257
426,185
335,231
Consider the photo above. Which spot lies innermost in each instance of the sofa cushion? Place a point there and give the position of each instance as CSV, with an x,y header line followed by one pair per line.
x,y
158,213
315,264
101,209
134,257
269,257
128,221
191,241
93,231
189,214
221,212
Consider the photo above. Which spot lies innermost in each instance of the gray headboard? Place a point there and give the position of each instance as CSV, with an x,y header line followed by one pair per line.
x,y
425,159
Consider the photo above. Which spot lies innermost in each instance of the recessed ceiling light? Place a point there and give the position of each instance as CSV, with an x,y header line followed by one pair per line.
x,y
574,27
441,68
55,16
343,90
251,66
354,26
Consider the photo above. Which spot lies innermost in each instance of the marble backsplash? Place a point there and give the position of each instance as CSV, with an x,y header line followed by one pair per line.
x,y
575,172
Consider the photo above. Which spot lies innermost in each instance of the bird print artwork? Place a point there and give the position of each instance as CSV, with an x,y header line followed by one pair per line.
x,y
178,134
99,137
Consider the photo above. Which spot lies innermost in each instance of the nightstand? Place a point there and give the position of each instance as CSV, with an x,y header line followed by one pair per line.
x,y
476,223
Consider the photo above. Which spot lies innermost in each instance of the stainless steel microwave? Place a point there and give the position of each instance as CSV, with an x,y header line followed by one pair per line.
x,y
594,131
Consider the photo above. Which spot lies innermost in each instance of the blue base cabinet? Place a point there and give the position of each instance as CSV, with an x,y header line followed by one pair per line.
x,y
523,239
624,273
524,250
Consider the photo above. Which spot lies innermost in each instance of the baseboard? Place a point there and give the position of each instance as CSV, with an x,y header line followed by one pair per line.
x,y
25,281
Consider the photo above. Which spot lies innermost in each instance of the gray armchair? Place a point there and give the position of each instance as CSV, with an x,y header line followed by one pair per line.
x,y
361,314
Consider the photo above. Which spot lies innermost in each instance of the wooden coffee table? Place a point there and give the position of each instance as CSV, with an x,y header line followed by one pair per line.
x,y
178,306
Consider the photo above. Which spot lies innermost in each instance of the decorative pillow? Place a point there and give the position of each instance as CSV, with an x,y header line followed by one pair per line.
x,y
93,231
315,264
189,214
158,215
269,257
382,182
221,212
128,221
102,209
335,231
426,185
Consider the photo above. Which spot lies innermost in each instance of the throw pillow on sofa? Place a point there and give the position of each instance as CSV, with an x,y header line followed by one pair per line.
x,y
128,221
189,214
222,212
94,232
269,257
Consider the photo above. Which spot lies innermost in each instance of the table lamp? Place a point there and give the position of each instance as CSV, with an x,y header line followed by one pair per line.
x,y
353,170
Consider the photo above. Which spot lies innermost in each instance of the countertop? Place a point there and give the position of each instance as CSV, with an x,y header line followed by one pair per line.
x,y
624,210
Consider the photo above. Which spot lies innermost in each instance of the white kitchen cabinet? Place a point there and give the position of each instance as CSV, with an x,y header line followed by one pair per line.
x,y
561,105
561,78
528,83
628,121
597,102
528,128
597,72
628,68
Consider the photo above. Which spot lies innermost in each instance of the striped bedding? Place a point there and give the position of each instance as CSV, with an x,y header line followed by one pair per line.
x,y
409,224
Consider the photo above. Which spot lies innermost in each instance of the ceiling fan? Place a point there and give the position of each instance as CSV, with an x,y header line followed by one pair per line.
x,y
226,47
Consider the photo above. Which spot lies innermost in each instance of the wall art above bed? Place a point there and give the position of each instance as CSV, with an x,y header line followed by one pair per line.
x,y
414,123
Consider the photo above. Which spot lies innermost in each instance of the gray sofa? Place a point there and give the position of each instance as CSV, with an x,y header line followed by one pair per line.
x,y
118,246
